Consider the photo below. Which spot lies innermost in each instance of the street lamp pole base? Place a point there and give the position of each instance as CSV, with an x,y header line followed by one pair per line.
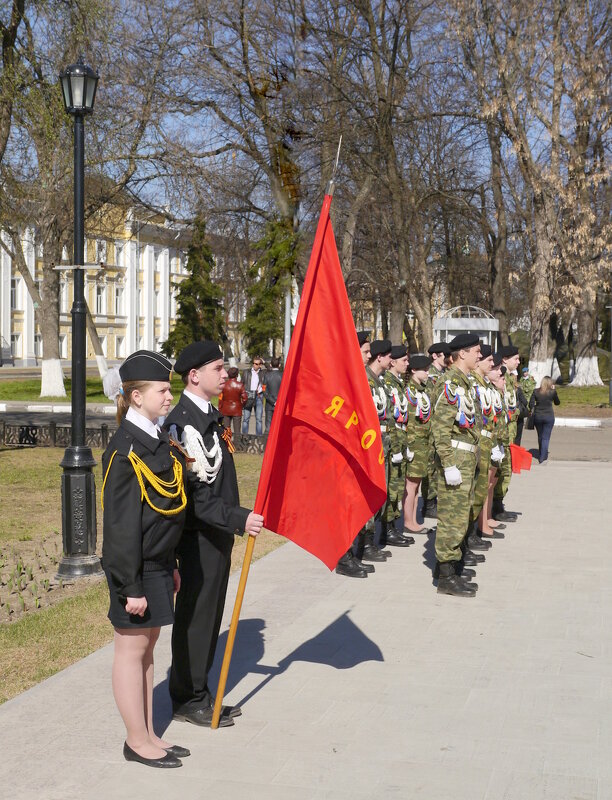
x,y
71,567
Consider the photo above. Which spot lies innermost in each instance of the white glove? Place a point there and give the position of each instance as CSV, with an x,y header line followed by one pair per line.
x,y
452,476
397,458
497,454
409,454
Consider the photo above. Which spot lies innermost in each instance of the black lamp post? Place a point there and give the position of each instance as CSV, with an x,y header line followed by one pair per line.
x,y
79,84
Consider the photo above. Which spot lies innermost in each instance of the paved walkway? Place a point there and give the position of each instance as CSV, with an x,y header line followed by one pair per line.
x,y
378,688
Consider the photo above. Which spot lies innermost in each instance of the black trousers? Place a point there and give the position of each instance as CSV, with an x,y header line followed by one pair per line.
x,y
204,564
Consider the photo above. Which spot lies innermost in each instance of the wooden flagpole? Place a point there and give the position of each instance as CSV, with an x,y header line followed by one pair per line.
x,y
246,564
227,657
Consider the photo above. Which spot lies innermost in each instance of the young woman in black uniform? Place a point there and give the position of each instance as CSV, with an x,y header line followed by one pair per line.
x,y
143,498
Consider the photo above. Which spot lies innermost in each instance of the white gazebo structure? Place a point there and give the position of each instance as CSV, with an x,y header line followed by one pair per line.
x,y
466,319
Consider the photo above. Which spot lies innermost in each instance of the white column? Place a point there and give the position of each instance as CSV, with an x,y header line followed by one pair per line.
x,y
27,349
164,290
149,296
6,270
131,296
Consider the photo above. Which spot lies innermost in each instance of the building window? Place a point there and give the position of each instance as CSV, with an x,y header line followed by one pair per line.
x,y
100,299
63,297
101,250
14,293
119,301
16,345
119,346
63,345
38,345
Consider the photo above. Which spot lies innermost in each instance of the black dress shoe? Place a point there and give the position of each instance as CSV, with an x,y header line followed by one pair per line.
x,y
178,751
470,559
166,762
495,535
202,717
430,508
476,543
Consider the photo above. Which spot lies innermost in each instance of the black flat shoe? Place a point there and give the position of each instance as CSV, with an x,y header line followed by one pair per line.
x,y
167,762
202,717
178,751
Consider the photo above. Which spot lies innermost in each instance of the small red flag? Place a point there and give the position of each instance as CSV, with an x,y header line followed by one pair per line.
x,y
323,473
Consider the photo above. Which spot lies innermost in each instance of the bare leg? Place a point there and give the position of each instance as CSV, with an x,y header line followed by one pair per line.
x,y
411,503
148,676
129,669
492,484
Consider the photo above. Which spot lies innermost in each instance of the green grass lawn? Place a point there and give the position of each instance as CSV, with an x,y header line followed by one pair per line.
x,y
583,395
29,389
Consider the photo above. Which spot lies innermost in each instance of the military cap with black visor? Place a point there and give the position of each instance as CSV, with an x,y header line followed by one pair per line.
x,y
144,365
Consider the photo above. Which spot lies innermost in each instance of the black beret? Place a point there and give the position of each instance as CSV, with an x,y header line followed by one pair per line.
x,y
497,358
439,347
398,351
363,337
508,351
464,341
381,347
196,355
485,350
419,361
144,365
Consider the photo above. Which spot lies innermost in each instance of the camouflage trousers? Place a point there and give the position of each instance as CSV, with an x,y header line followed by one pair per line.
x,y
380,514
481,485
504,475
396,486
454,508
429,484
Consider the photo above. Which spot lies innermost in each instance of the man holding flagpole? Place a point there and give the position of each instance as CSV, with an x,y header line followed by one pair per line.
x,y
214,516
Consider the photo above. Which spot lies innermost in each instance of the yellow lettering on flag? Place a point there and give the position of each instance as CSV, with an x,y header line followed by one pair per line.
x,y
353,420
336,404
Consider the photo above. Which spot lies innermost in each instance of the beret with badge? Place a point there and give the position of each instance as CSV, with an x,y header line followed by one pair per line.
x,y
196,355
398,351
418,361
381,347
439,347
363,337
464,341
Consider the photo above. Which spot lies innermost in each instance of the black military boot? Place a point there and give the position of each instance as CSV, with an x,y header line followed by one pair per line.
x,y
450,583
465,572
360,543
393,537
470,559
370,551
474,541
348,566
499,512
430,508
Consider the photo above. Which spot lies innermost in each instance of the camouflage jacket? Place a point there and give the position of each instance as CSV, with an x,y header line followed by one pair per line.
x,y
398,416
454,416
419,424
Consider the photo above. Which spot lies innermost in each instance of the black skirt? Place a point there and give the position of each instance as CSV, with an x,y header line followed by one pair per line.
x,y
159,591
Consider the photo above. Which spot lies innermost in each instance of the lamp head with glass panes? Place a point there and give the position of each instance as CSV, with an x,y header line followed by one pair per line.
x,y
79,82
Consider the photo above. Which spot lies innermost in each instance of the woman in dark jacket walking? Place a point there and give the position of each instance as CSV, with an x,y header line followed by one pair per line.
x,y
232,400
541,404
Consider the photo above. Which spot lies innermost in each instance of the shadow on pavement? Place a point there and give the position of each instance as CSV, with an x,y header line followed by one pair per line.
x,y
341,645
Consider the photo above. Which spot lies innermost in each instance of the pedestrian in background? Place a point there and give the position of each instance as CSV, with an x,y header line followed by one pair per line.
x,y
541,402
272,382
232,400
253,383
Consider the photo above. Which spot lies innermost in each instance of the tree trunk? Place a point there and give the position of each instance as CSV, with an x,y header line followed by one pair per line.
x,y
52,377
587,367
96,344
498,278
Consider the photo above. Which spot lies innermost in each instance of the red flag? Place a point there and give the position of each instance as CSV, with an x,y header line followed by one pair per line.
x,y
323,473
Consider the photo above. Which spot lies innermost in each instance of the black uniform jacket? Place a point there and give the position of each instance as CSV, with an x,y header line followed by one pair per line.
x,y
214,506
133,531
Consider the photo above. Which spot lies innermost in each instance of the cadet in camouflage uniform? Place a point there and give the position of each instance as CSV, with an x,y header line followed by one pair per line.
x,y
380,360
397,418
456,443
439,352
501,435
510,360
350,564
489,451
419,444
527,384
